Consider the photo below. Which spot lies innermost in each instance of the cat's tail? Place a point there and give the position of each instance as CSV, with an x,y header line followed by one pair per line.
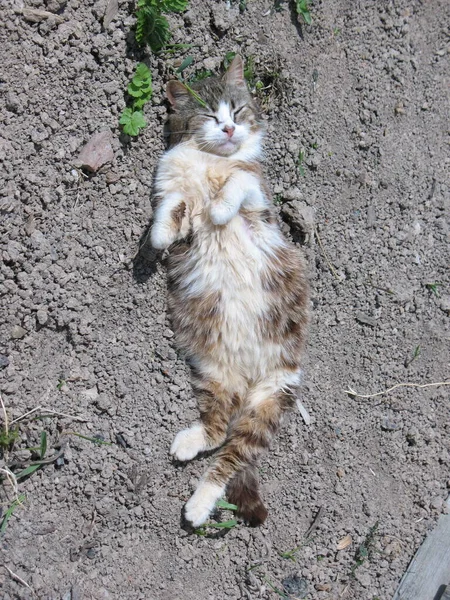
x,y
243,490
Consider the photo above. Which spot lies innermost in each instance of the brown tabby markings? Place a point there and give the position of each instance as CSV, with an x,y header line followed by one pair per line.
x,y
244,342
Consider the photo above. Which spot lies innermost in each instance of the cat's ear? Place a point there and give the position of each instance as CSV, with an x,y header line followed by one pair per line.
x,y
235,72
177,93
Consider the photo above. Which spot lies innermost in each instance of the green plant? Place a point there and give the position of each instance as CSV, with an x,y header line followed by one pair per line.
x,y
17,502
152,27
416,354
433,287
140,90
7,438
303,11
200,75
366,549
223,524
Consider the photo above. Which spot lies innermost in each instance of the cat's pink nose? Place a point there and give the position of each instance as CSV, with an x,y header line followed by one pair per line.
x,y
229,130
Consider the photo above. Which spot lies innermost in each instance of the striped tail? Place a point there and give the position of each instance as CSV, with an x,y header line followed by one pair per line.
x,y
243,490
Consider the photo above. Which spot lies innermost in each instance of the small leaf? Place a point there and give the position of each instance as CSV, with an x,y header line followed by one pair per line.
x,y
185,64
134,91
226,505
143,72
43,448
175,5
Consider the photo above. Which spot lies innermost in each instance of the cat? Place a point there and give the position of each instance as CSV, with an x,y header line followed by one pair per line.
x,y
238,291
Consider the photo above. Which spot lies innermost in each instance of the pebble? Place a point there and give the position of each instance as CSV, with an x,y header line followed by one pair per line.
x,y
18,332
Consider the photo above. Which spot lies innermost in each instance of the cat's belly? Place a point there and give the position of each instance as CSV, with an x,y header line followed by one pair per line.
x,y
222,309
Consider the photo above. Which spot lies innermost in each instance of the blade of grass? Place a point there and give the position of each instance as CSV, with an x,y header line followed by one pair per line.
x,y
226,505
89,439
224,525
17,502
28,471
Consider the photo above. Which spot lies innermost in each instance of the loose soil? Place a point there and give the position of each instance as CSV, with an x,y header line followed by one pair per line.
x,y
363,92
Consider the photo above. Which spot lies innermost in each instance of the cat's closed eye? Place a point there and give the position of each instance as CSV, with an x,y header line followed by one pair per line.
x,y
211,117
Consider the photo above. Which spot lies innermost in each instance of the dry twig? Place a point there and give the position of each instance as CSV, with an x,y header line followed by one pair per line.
x,y
19,579
327,260
352,392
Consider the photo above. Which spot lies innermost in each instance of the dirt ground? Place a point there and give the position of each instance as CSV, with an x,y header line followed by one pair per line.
x,y
363,93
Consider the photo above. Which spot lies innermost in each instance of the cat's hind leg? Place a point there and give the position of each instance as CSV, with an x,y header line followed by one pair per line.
x,y
250,435
216,406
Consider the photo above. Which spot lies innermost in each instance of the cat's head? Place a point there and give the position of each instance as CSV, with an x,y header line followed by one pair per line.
x,y
224,119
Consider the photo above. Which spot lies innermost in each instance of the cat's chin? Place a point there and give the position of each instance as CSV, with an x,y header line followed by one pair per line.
x,y
225,149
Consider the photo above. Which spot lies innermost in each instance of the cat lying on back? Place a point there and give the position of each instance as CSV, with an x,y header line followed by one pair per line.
x,y
238,292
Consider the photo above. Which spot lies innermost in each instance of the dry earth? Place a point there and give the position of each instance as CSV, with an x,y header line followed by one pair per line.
x,y
363,91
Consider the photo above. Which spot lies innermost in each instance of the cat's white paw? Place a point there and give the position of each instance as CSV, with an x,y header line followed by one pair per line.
x,y
188,443
202,503
222,213
161,236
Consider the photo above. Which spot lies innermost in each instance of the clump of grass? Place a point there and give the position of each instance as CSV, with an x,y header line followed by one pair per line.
x,y
366,550
433,287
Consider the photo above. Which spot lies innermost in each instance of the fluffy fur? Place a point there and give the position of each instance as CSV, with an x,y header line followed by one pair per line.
x,y
237,289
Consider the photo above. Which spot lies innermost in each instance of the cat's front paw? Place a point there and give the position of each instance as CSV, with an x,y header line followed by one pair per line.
x,y
161,236
222,213
188,443
202,503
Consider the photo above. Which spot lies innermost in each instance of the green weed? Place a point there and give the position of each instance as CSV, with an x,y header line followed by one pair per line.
x,y
152,27
60,384
140,90
416,354
17,502
433,287
303,11
8,438
366,549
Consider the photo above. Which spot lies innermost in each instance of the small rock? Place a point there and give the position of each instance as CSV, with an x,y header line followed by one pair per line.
x,y
436,503
296,585
300,218
371,216
363,577
42,316
112,9
4,361
388,425
18,332
363,318
97,152
89,490
445,303
91,393
224,16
